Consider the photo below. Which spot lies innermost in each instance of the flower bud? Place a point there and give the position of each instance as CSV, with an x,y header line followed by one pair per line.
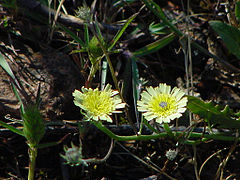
x,y
33,125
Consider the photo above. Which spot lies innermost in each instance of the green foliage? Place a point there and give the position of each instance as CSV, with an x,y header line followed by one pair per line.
x,y
11,128
12,4
73,35
155,46
229,34
121,31
6,67
237,10
95,51
213,115
159,28
33,125
156,9
135,83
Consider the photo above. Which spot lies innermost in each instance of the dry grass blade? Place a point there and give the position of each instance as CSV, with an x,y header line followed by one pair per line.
x,y
150,166
223,164
210,157
55,18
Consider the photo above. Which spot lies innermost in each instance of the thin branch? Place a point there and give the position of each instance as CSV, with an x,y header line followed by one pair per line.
x,y
69,20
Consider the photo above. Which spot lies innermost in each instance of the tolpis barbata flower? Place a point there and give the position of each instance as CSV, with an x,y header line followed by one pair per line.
x,y
96,104
162,103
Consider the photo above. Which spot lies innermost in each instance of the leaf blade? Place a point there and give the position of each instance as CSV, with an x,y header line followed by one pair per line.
x,y
212,114
121,31
229,34
11,128
155,46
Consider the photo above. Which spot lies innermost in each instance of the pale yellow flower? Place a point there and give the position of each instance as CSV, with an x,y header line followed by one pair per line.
x,y
162,104
98,105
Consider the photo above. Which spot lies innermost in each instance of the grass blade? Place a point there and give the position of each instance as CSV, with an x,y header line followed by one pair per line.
x,y
16,93
155,46
136,86
86,35
121,31
74,36
237,10
6,66
11,128
229,34
8,70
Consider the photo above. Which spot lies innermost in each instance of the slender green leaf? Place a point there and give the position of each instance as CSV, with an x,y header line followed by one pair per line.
x,y
99,33
38,98
11,128
237,10
86,35
136,85
213,114
78,51
121,31
8,70
45,145
159,28
74,36
127,78
229,34
168,130
6,66
16,93
237,114
18,97
155,46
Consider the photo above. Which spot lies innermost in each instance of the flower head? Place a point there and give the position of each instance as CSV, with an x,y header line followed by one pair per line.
x,y
98,105
73,156
171,154
162,104
84,13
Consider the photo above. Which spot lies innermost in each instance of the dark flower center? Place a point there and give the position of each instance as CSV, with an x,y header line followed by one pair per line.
x,y
163,104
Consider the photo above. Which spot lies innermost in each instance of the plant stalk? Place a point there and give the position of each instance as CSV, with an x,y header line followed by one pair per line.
x,y
200,137
32,162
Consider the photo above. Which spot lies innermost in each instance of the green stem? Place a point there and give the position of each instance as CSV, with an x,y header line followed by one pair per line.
x,y
32,162
203,137
149,126
105,52
168,130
